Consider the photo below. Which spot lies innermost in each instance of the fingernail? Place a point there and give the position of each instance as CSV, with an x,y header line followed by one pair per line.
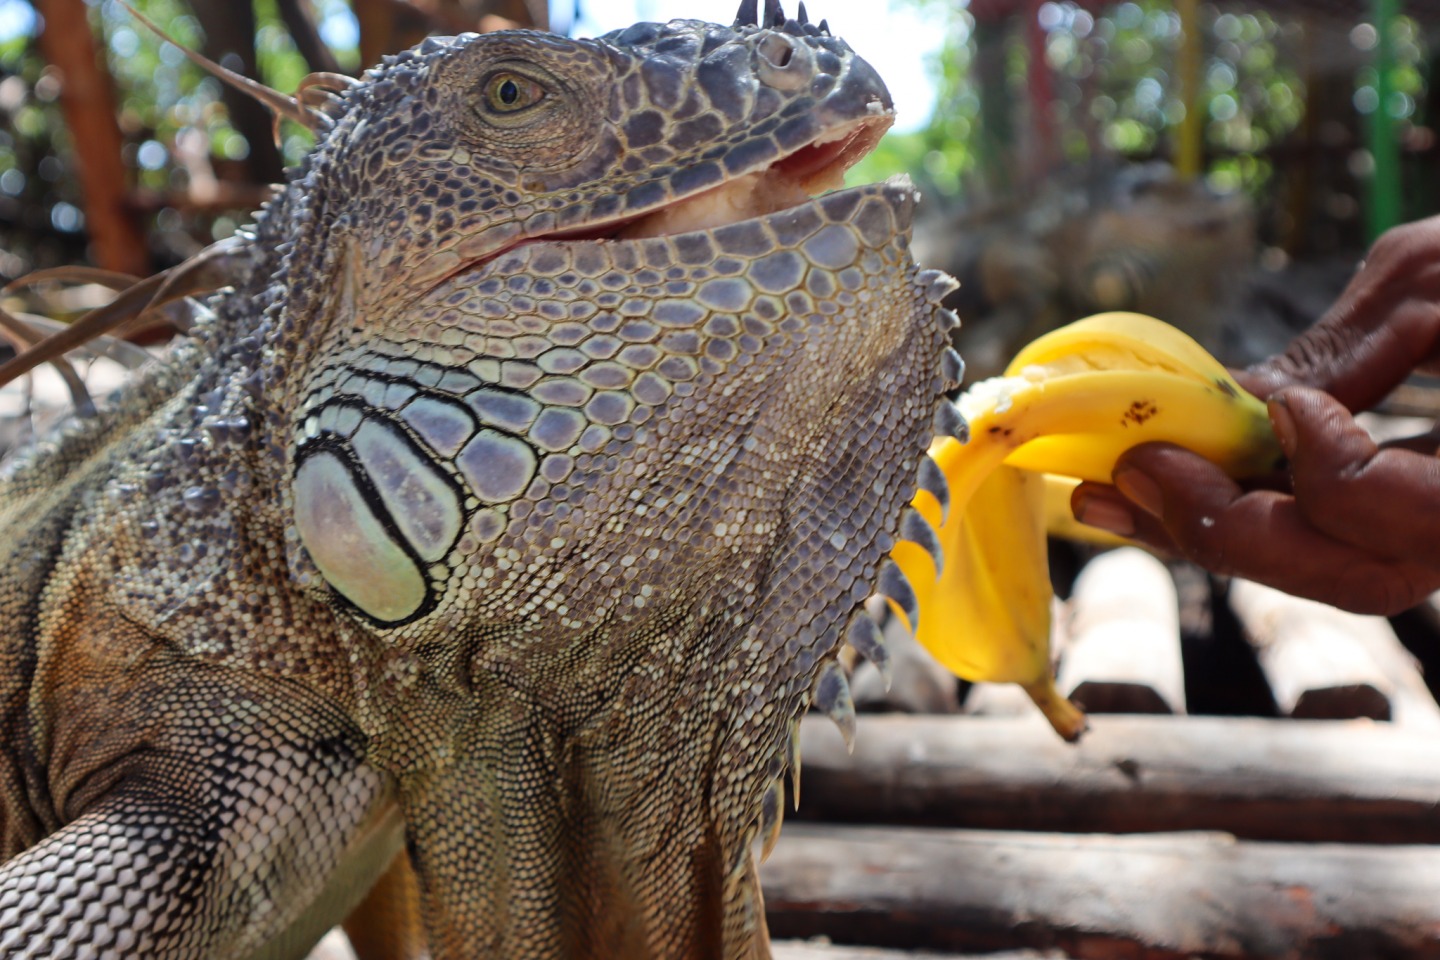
x,y
1282,421
1141,491
1106,514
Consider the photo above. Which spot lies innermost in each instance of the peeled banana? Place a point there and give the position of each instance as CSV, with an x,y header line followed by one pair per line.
x,y
1068,406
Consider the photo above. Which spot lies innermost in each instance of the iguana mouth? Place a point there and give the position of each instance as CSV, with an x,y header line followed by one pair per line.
x,y
796,178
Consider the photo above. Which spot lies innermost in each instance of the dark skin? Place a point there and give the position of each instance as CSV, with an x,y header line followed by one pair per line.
x,y
1354,524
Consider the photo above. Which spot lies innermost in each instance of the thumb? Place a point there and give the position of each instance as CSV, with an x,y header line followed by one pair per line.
x,y
1381,500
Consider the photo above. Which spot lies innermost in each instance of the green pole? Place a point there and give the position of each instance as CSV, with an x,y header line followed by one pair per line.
x,y
1383,210
1190,147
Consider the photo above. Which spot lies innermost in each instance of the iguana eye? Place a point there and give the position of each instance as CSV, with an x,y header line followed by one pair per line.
x,y
507,92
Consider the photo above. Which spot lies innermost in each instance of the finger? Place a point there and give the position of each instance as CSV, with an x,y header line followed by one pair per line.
x,y
1106,508
1384,325
1385,501
1260,535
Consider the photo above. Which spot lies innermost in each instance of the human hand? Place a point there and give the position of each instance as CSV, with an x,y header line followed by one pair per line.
x,y
1360,528
1384,326
1359,525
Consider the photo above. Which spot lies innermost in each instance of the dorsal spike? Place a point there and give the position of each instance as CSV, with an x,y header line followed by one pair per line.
x,y
948,422
772,815
800,14
825,27
865,635
748,15
952,366
917,530
774,14
895,587
931,479
832,697
282,106
792,746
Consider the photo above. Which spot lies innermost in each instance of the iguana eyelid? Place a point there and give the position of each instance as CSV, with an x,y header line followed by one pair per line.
x,y
529,92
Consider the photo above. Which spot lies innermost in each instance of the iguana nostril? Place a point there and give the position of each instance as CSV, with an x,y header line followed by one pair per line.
x,y
776,50
783,63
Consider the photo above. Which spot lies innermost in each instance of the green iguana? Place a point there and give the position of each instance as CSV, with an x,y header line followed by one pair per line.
x,y
497,521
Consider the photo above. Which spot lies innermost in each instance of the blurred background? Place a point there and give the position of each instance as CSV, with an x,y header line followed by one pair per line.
x,y
1220,165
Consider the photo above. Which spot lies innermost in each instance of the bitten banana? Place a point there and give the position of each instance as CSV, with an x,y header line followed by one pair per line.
x,y
1068,405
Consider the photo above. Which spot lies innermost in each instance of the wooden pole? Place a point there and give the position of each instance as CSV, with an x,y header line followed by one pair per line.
x,y
1123,649
1350,781
1312,657
1383,210
1190,144
87,102
820,950
1156,896
1044,155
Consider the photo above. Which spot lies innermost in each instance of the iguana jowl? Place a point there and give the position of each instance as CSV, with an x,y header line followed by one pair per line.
x,y
515,500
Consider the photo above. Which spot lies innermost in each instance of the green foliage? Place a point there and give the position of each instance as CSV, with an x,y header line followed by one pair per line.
x,y
1116,92
170,114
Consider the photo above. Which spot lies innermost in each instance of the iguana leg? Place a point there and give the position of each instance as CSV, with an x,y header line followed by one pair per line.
x,y
532,844
243,824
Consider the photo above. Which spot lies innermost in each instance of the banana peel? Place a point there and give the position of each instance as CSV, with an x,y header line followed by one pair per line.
x,y
1066,408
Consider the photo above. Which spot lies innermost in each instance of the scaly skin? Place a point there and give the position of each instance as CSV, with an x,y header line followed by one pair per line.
x,y
531,552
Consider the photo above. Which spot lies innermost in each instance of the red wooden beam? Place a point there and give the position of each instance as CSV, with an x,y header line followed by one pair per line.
x,y
87,101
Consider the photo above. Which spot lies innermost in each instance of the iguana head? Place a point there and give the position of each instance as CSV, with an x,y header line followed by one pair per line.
x,y
528,241
513,137
600,409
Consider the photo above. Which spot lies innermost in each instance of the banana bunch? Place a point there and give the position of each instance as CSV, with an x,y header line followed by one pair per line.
x,y
1067,406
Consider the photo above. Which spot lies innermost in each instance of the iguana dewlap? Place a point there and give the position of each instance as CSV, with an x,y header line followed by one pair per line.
x,y
505,513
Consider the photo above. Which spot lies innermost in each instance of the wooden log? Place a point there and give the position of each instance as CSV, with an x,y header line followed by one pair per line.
x,y
1156,896
1310,655
1351,781
999,700
821,950
1123,651
1411,702
335,946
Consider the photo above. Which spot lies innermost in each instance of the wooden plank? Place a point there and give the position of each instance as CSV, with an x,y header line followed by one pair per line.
x,y
820,950
1157,896
1351,781
1123,651
1314,658
999,700
336,947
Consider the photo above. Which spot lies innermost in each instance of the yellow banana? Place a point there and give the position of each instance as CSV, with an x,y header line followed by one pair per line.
x,y
1068,405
